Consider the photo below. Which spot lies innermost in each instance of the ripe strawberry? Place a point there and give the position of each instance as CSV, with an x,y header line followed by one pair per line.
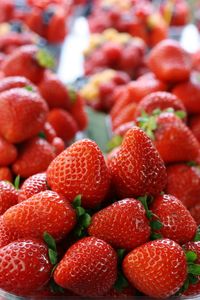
x,y
123,224
80,169
23,114
32,185
122,99
15,82
8,153
195,212
189,93
54,91
77,110
122,129
49,132
157,268
125,115
23,62
137,168
58,144
195,126
24,266
127,292
8,196
63,123
5,174
183,182
178,224
159,100
169,61
88,273
43,212
56,29
6,236
34,157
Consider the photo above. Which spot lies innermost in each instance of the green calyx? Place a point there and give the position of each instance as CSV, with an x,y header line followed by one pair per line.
x,y
72,94
191,163
52,250
55,288
42,135
17,182
45,59
121,281
28,88
84,219
115,141
197,235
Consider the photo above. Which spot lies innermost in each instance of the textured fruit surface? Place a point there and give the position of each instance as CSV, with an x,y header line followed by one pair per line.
x,y
195,126
8,196
80,169
11,82
45,211
137,168
158,268
8,153
89,268
5,174
195,212
6,236
123,224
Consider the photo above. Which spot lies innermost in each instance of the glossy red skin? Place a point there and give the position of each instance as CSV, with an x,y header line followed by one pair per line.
x,y
137,169
184,183
57,27
123,224
5,174
158,100
157,268
77,109
8,196
8,153
125,115
122,129
178,224
22,62
195,126
32,185
43,212
88,273
24,266
170,62
195,212
49,132
80,169
180,13
10,41
58,144
6,236
174,140
11,82
23,114
34,157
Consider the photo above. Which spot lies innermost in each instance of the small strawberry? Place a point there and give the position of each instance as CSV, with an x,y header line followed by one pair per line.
x,y
125,115
5,174
32,185
16,82
23,114
169,61
8,153
137,168
123,224
89,268
58,144
157,268
80,169
24,266
195,212
195,126
34,157
49,132
43,212
8,196
77,109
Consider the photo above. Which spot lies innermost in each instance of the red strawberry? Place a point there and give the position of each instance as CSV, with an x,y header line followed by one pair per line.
x,y
43,212
63,123
49,132
122,129
33,185
34,157
8,196
127,292
189,93
56,29
88,273
195,212
123,224
5,235
122,99
23,114
54,91
158,268
58,144
137,168
24,266
183,182
178,224
77,110
125,115
8,153
195,126
5,174
80,169
170,62
16,82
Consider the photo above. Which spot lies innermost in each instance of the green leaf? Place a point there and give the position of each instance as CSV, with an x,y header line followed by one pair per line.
x,y
55,288
197,235
77,201
45,59
53,269
191,256
193,279
184,287
191,164
53,256
121,282
156,236
181,114
156,112
17,182
144,201
194,269
42,135
121,254
49,240
156,225
72,94
28,88
80,211
85,220
114,142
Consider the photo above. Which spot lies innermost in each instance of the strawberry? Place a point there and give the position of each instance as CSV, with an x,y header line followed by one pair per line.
x,y
157,268
5,174
43,212
56,29
63,123
137,168
54,91
169,61
80,169
34,157
8,196
88,273
8,153
183,182
195,212
11,82
24,266
123,224
5,235
32,185
189,93
77,109
23,114
49,132
124,293
58,144
177,222
195,126
122,129
122,99
125,115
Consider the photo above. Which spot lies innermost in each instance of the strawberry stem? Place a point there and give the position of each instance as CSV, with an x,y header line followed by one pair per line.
x,y
17,182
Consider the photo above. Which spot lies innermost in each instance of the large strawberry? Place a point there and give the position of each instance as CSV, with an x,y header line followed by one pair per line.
x,y
5,235
8,196
24,266
89,268
22,114
44,212
8,153
123,224
11,82
80,169
157,268
137,168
